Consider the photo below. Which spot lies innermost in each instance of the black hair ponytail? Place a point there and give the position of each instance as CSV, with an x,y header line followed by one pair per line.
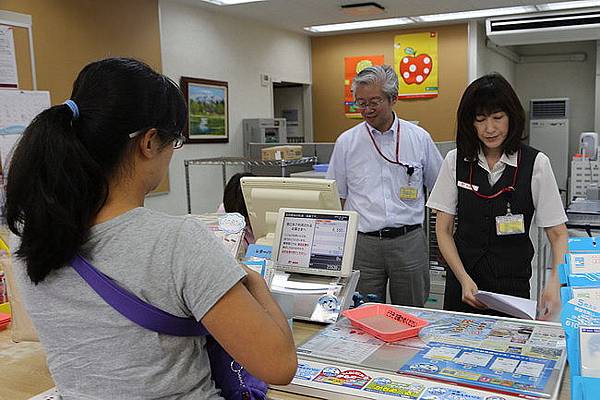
x,y
59,172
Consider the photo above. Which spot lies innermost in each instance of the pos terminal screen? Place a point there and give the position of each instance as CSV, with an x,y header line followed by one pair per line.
x,y
313,241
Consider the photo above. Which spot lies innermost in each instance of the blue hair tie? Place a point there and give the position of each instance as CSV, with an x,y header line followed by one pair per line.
x,y
74,109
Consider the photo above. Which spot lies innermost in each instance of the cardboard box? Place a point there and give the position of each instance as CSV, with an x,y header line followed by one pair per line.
x,y
281,153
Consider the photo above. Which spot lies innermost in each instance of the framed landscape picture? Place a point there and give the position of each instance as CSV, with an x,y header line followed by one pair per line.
x,y
207,110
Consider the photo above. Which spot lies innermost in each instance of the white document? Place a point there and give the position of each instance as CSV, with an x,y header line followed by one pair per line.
x,y
511,305
529,368
474,358
504,365
8,59
442,353
589,348
585,263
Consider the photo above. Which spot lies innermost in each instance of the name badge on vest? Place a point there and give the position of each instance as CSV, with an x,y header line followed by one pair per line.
x,y
510,224
467,186
408,193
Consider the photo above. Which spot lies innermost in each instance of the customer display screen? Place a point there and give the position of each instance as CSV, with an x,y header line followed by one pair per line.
x,y
313,241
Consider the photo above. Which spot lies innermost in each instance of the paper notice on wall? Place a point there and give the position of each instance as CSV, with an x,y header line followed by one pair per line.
x,y
8,59
17,109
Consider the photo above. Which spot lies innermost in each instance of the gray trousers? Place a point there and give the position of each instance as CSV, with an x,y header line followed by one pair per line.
x,y
402,260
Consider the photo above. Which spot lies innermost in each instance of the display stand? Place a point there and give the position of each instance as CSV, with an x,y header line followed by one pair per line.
x,y
457,356
241,161
581,314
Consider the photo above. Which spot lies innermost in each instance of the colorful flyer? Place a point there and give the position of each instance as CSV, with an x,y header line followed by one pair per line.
x,y
352,66
402,390
351,378
512,373
459,327
416,63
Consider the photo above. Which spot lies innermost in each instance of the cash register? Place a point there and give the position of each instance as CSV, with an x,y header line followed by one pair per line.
x,y
316,270
313,255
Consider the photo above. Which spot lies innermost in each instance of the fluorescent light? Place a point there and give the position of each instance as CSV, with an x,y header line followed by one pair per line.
x,y
490,12
373,23
231,2
567,5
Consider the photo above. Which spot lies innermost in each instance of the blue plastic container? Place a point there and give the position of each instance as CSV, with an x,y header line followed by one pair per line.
x,y
321,167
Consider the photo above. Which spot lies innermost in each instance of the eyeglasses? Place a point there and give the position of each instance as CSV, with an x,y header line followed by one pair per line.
x,y
371,103
177,142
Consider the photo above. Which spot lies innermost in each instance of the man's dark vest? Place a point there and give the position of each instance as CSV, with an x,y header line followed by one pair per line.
x,y
510,255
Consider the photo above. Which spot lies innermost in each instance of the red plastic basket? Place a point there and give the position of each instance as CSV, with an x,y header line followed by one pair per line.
x,y
4,320
385,322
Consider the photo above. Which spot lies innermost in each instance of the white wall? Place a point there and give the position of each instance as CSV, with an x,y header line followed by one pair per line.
x,y
199,43
575,80
490,61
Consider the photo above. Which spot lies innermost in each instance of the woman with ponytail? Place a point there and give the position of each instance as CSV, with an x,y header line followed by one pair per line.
x,y
76,186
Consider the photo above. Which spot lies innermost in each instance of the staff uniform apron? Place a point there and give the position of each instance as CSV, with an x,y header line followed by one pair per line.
x,y
500,264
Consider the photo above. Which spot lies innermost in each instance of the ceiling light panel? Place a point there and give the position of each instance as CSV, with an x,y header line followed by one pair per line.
x,y
567,5
230,2
491,12
374,23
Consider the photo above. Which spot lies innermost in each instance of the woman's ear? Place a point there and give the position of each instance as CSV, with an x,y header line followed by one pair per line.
x,y
149,144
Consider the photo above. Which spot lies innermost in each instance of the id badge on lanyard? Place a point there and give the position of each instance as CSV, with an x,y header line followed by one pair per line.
x,y
409,192
510,224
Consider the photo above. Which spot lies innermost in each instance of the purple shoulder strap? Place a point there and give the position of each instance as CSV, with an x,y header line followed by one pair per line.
x,y
132,307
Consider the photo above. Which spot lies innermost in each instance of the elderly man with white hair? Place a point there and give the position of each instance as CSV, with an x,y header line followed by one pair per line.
x,y
382,167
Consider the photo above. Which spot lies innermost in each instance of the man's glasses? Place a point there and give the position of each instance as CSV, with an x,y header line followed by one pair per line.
x,y
177,142
371,103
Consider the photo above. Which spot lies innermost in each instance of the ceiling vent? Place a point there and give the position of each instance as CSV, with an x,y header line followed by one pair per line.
x,y
544,28
363,9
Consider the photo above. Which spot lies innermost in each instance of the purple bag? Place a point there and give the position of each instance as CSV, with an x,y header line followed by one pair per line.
x,y
234,381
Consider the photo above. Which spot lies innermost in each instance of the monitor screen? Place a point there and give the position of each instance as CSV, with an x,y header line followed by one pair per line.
x,y
315,241
264,196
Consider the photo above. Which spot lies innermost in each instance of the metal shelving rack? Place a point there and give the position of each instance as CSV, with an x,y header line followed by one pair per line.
x,y
245,162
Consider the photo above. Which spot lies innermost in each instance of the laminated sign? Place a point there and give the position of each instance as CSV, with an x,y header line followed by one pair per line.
x,y
416,63
352,66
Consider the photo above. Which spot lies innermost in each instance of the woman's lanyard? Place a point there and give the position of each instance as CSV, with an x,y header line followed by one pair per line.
x,y
409,168
507,189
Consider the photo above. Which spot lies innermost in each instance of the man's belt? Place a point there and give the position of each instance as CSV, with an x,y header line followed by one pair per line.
x,y
390,233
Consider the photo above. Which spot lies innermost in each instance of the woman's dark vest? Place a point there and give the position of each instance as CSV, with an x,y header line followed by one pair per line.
x,y
509,256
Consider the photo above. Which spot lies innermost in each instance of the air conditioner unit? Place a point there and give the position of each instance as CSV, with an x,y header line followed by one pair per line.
x,y
549,133
568,26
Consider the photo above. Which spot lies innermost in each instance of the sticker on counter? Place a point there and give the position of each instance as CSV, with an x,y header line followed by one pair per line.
x,y
442,393
382,385
351,378
306,372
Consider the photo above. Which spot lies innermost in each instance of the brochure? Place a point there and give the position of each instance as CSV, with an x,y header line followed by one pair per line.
x,y
516,306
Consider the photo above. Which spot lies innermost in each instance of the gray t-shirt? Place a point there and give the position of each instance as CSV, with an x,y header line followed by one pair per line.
x,y
94,352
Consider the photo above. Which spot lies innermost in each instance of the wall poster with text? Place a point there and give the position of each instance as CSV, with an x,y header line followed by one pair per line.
x,y
352,66
416,63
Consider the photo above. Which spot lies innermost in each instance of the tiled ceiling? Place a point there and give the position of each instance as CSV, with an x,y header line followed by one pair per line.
x,y
294,15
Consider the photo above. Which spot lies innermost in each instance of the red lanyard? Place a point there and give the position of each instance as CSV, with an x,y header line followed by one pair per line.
x,y
409,169
377,147
510,188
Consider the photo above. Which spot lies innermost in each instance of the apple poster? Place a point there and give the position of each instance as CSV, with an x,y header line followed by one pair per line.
x,y
416,63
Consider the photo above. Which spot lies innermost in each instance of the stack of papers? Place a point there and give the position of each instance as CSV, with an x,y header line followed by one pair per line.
x,y
511,305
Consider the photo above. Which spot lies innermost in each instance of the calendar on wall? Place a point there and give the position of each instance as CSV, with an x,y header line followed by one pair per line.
x,y
17,109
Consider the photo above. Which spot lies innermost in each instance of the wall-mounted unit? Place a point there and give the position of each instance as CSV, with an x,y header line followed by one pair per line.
x,y
549,133
567,26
